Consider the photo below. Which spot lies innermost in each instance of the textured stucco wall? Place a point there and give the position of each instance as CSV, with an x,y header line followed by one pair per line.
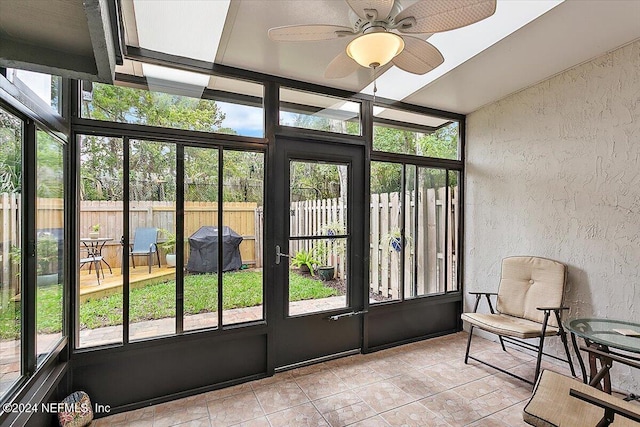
x,y
554,171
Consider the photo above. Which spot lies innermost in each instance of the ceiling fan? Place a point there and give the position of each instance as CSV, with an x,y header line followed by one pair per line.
x,y
380,28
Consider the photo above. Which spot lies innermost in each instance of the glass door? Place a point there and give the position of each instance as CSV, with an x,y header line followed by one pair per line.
x,y
318,250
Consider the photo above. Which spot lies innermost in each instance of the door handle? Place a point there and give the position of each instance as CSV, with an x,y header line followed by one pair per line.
x,y
279,254
349,314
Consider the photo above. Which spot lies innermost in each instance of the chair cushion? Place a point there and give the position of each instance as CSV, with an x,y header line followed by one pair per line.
x,y
506,325
552,406
530,282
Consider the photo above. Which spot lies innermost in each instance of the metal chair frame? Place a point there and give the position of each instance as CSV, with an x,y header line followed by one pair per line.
x,y
520,343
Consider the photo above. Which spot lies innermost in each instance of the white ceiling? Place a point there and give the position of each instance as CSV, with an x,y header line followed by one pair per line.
x,y
570,33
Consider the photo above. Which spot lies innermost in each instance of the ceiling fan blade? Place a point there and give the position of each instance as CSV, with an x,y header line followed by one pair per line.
x,y
418,56
365,8
341,66
306,33
434,16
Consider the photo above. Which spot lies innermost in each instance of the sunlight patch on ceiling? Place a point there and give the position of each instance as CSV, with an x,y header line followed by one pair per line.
x,y
458,46
179,82
188,28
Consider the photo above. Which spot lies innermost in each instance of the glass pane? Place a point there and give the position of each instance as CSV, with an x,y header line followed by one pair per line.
x,y
320,112
11,256
318,207
453,232
44,86
386,187
200,252
432,188
101,230
49,242
397,131
318,198
242,290
410,232
317,275
152,195
209,106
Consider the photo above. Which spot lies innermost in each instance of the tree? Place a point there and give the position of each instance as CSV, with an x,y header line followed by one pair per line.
x,y
10,153
152,166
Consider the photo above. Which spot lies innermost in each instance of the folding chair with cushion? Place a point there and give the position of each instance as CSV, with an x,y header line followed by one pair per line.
x,y
145,243
560,401
531,288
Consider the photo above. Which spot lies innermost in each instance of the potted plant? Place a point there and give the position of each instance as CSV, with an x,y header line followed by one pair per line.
x,y
394,240
46,254
325,270
305,261
169,246
95,231
327,250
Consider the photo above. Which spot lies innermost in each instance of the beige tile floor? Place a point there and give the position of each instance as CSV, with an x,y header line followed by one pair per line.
x,y
420,384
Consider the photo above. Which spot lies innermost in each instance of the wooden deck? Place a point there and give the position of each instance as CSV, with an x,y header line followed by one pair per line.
x,y
112,282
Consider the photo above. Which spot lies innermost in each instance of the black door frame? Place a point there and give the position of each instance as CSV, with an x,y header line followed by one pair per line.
x,y
315,335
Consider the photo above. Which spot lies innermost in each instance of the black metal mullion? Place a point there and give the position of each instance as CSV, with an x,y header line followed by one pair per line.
x,y
179,233
446,231
72,210
220,233
29,264
125,239
416,228
403,241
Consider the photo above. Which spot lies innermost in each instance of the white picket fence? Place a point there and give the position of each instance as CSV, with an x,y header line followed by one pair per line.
x,y
426,256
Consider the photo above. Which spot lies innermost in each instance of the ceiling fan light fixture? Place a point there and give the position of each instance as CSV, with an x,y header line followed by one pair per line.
x,y
375,49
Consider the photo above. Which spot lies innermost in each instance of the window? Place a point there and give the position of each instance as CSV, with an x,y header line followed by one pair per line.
x,y
49,242
11,135
152,212
157,293
201,103
402,132
101,218
44,86
320,112
415,214
414,231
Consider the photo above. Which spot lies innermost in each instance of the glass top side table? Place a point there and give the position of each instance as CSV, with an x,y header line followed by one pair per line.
x,y
601,335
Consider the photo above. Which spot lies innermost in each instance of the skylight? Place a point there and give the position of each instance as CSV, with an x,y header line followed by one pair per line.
x,y
462,44
188,28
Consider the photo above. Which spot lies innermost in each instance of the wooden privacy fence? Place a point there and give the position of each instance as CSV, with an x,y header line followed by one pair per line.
x,y
242,217
426,255
426,252
427,222
316,218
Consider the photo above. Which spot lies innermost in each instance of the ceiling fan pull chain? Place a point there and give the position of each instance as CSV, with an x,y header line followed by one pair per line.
x,y
375,87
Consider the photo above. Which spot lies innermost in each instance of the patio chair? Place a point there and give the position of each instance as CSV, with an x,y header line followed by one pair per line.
x,y
558,400
531,289
93,260
145,243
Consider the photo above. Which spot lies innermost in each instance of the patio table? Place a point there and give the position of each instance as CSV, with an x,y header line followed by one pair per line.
x,y
606,340
94,248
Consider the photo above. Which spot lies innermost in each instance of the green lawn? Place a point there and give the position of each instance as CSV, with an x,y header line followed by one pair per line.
x,y
48,318
241,289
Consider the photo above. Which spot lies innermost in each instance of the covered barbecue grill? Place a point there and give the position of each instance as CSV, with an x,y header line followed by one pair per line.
x,y
203,256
